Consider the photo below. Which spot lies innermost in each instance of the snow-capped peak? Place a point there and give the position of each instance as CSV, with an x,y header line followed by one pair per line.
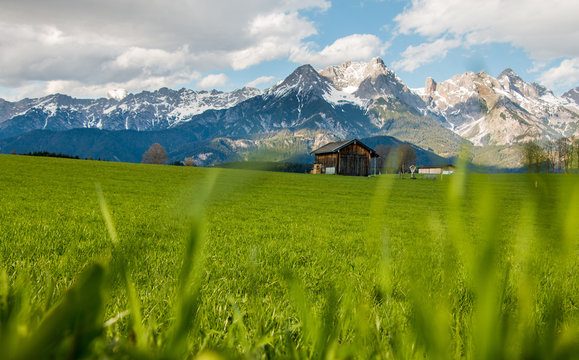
x,y
350,75
572,95
513,82
304,80
499,111
509,73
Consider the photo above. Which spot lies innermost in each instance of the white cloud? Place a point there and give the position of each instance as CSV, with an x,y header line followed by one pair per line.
x,y
544,29
353,47
537,66
212,81
151,59
281,24
262,80
93,44
278,34
563,77
73,87
415,56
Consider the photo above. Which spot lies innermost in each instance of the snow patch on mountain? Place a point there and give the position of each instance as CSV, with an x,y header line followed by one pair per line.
x,y
499,111
419,91
343,97
346,100
572,96
50,109
350,89
349,75
475,130
193,103
147,110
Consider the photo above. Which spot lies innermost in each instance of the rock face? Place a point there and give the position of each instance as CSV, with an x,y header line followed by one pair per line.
x,y
305,110
155,110
500,111
430,86
572,95
309,109
349,75
305,80
512,83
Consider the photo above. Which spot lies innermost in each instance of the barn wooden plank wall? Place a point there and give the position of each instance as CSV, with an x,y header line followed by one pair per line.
x,y
327,160
353,160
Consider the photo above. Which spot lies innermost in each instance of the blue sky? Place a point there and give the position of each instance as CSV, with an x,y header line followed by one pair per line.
x,y
377,17
86,48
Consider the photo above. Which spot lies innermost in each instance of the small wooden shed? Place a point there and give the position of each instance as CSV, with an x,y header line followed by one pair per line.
x,y
437,170
350,157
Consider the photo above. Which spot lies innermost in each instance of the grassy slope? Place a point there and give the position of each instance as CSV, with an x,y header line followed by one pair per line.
x,y
506,157
323,230
400,122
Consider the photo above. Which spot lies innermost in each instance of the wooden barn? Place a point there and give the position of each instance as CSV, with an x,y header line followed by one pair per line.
x,y
350,157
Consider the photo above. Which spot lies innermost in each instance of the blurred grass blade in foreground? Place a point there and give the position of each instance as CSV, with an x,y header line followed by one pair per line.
x,y
69,328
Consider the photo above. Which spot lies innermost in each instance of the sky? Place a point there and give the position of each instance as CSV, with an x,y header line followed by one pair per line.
x,y
86,48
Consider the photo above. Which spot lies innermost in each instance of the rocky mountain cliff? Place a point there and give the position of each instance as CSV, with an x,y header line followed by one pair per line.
x,y
572,95
501,111
371,81
145,111
307,109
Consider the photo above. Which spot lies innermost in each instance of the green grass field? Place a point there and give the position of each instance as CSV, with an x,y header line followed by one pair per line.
x,y
213,263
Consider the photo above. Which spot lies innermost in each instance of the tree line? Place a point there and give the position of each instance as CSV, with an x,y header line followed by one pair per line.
x,y
559,156
55,155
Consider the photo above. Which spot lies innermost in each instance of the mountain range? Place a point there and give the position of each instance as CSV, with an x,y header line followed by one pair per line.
x,y
306,110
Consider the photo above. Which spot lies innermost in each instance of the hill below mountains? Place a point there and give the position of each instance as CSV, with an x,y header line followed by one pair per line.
x,y
304,111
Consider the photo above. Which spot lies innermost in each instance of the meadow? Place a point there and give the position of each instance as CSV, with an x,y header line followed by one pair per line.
x,y
113,260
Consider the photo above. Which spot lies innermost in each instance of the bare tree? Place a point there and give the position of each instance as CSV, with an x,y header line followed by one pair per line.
x,y
406,157
564,152
383,152
396,159
532,156
551,156
572,152
155,155
189,161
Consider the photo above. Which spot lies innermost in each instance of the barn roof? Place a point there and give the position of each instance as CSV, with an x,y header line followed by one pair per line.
x,y
334,147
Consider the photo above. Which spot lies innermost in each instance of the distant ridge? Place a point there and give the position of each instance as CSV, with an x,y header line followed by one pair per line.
x,y
308,108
